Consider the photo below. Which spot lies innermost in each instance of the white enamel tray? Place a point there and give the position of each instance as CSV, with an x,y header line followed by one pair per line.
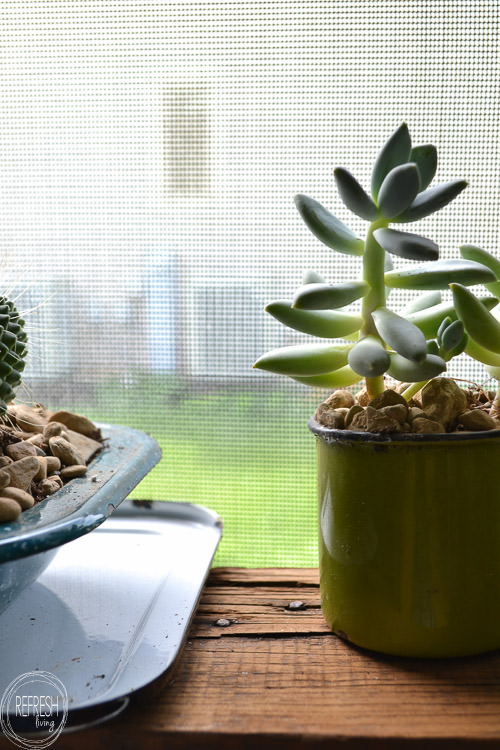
x,y
111,612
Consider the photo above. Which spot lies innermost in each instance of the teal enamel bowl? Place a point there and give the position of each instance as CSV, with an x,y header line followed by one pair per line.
x,y
28,545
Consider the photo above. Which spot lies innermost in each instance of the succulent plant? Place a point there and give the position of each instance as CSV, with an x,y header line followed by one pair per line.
x,y
411,345
12,351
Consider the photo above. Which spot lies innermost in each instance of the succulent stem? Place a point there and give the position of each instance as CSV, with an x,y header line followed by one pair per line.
x,y
412,389
373,274
374,386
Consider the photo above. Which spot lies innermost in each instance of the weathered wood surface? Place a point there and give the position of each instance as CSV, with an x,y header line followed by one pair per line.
x,y
276,678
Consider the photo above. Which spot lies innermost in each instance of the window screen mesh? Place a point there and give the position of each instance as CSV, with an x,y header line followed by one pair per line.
x,y
150,153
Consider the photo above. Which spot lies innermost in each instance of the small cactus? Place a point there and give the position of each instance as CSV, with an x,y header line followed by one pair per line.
x,y
13,351
411,345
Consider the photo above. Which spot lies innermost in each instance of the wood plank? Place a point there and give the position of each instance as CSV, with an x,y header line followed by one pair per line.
x,y
271,681
263,610
314,688
256,576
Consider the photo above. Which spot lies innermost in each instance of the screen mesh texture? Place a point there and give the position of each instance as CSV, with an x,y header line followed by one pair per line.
x,y
150,153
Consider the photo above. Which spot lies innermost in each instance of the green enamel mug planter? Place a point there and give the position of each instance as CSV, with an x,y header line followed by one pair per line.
x,y
409,522
409,531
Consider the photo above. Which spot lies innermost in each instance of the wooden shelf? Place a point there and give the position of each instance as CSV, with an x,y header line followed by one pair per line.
x,y
276,677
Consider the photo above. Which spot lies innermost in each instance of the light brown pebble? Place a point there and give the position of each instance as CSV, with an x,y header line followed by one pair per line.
x,y
378,422
388,398
77,423
343,410
476,419
28,419
4,460
443,401
64,451
329,417
358,422
22,472
71,472
20,450
53,464
42,470
38,440
416,399
362,397
355,409
24,499
4,478
399,412
414,412
9,510
424,425
52,429
86,447
401,387
49,486
340,399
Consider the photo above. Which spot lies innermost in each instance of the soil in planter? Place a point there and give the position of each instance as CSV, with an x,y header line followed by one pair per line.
x,y
440,407
40,451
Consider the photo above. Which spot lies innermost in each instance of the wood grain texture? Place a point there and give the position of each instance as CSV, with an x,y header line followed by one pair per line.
x,y
275,678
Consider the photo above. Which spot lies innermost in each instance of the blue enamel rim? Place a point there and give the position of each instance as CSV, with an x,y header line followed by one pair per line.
x,y
84,503
350,436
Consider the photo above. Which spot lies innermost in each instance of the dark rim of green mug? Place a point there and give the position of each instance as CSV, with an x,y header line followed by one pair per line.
x,y
331,435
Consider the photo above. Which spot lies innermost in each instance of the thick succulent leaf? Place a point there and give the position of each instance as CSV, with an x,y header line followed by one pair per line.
x,y
303,359
401,335
328,296
480,324
422,303
453,339
311,277
494,372
327,228
410,372
494,288
341,378
326,324
368,357
395,151
5,370
432,200
425,157
406,245
353,195
471,252
458,349
398,190
433,347
478,352
443,326
429,319
439,275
